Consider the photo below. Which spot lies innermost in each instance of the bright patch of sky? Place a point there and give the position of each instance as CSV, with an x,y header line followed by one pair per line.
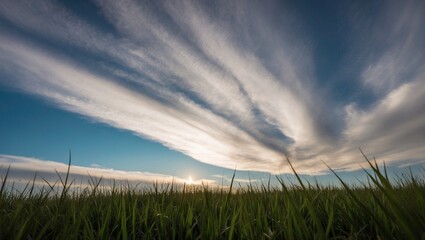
x,y
183,88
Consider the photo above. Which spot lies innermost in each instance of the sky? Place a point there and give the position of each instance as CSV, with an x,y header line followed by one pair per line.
x,y
160,90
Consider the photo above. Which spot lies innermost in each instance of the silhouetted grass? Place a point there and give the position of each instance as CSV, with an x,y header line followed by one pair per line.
x,y
377,210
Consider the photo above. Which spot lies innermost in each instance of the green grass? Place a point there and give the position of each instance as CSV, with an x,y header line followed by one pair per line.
x,y
377,210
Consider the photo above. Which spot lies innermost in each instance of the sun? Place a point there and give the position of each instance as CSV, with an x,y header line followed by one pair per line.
x,y
189,180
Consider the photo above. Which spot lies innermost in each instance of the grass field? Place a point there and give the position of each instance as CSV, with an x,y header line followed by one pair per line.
x,y
378,210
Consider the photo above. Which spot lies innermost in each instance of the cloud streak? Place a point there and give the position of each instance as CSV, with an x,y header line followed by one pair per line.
x,y
226,86
23,169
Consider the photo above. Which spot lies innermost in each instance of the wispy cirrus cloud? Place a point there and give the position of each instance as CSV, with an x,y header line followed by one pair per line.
x,y
225,84
188,128
398,59
395,125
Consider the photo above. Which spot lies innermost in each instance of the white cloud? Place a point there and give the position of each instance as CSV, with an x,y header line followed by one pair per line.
x,y
188,128
398,45
23,169
32,165
239,180
201,85
395,126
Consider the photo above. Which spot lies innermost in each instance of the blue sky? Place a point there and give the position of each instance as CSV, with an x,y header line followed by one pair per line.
x,y
179,88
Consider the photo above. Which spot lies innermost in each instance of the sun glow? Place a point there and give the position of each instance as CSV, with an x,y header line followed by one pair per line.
x,y
189,180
